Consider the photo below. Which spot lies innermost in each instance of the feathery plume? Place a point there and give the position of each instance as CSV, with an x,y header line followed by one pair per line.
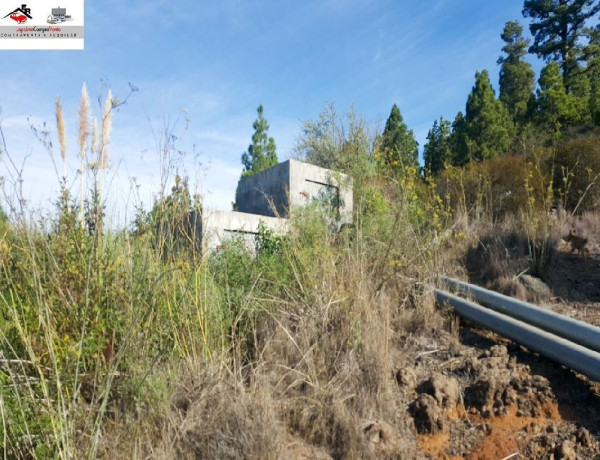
x,y
84,132
95,136
84,121
60,126
106,127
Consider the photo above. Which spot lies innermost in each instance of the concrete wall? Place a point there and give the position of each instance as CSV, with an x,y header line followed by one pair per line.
x,y
309,182
254,192
219,226
291,184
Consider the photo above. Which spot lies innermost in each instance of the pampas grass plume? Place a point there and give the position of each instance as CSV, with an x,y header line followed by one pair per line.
x,y
84,121
106,127
60,125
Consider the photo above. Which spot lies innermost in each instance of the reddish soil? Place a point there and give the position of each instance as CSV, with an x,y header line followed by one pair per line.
x,y
434,445
506,436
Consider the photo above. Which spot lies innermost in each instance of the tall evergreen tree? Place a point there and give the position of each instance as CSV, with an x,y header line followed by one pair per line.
x,y
556,108
458,141
580,92
261,153
517,78
438,149
592,57
398,145
594,101
591,52
557,26
489,127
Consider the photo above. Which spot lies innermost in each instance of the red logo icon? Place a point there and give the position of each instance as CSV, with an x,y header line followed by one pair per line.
x,y
20,18
20,15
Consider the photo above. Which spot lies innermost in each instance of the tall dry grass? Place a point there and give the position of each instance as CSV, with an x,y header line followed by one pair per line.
x,y
133,343
327,334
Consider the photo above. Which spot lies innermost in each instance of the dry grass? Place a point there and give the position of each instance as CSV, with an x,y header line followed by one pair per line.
x,y
504,256
213,417
587,225
327,353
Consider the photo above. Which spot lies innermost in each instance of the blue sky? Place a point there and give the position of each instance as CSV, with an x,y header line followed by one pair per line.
x,y
219,60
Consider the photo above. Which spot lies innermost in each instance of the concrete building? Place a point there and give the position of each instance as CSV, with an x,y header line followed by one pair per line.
x,y
219,226
277,190
269,196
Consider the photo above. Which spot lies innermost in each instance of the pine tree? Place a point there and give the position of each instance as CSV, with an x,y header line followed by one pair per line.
x,y
591,52
398,145
557,26
517,78
261,152
458,141
594,102
556,108
580,92
438,149
592,58
489,127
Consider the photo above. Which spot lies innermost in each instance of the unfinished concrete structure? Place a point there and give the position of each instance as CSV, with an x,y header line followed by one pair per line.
x,y
219,226
269,196
277,190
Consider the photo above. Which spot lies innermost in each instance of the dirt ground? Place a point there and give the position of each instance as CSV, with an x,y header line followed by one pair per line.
x,y
509,403
575,283
492,399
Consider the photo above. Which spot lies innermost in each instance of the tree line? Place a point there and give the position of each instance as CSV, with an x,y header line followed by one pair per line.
x,y
525,113
567,93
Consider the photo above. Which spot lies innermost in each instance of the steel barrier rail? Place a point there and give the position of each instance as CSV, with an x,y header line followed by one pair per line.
x,y
569,328
556,348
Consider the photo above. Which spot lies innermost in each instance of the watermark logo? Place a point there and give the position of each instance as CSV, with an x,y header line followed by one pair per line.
x,y
20,15
42,25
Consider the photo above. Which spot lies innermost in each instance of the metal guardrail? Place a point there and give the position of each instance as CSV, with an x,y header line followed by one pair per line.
x,y
569,328
556,348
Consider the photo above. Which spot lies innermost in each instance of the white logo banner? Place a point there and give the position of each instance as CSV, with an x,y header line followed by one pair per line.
x,y
41,25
